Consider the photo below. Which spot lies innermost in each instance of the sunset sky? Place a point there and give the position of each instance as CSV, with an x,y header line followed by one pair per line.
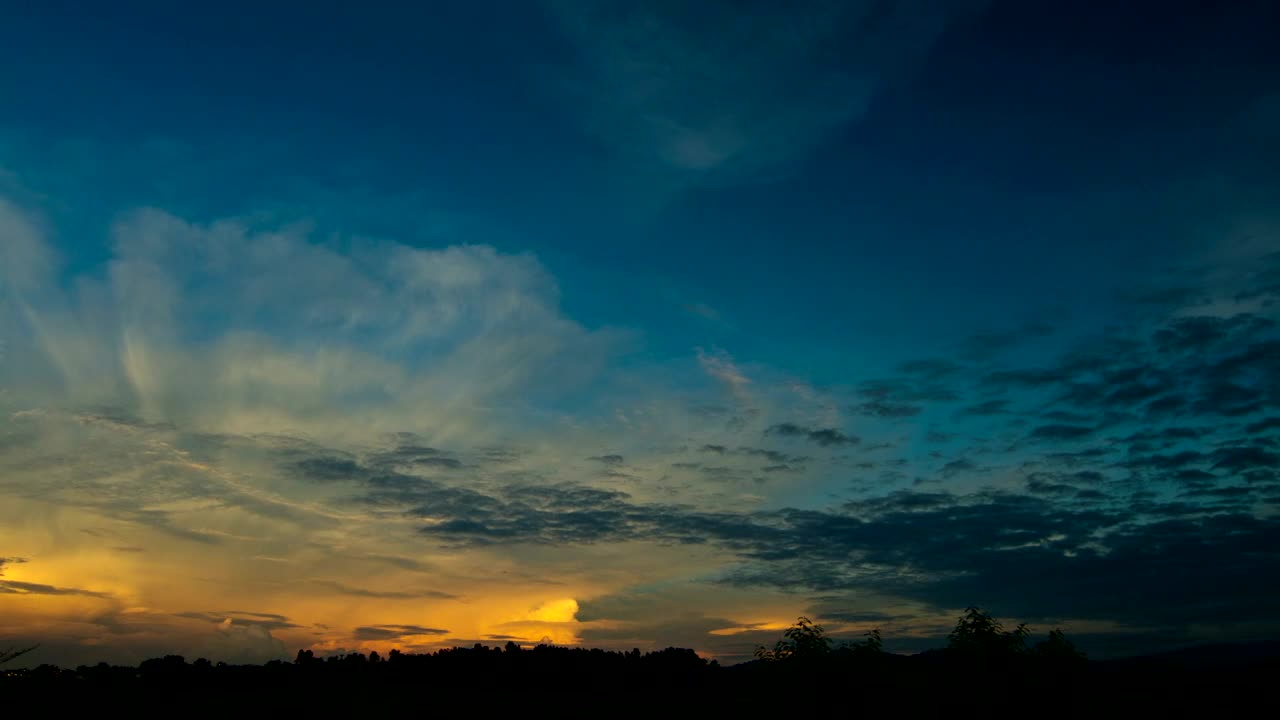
x,y
366,326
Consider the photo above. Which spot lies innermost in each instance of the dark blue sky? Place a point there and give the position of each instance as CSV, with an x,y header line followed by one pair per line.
x,y
981,236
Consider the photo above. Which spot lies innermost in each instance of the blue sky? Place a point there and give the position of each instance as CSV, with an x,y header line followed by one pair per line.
x,y
727,260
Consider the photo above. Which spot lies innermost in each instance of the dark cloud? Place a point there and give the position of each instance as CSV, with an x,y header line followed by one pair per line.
x,y
853,616
405,454
1033,557
937,437
883,409
394,632
721,472
1165,406
13,587
1194,475
1078,457
1167,436
826,437
1203,334
610,460
266,621
1064,546
1166,461
1263,425
1229,399
958,466
989,407
394,594
901,501
1245,495
330,469
1067,416
1237,459
1059,432
411,454
447,463
1092,533
1041,486
902,391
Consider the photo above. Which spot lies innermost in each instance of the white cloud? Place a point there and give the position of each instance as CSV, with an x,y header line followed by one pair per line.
x,y
235,643
719,365
227,328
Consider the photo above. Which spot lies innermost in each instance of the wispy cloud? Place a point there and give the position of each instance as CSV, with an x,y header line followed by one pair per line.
x,y
712,90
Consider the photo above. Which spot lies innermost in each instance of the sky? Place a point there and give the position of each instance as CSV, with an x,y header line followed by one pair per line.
x,y
389,325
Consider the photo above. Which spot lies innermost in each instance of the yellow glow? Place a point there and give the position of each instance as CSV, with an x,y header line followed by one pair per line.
x,y
737,630
555,611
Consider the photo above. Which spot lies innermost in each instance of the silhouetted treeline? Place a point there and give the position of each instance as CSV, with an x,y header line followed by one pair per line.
x,y
983,668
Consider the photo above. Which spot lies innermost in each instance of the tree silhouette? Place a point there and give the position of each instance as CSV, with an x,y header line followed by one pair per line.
x,y
870,644
1058,649
978,635
802,641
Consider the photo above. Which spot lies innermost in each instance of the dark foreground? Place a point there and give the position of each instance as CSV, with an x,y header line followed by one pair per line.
x,y
563,681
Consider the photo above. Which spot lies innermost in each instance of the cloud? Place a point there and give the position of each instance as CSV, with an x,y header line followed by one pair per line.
x,y
26,262
1061,432
1201,334
704,311
925,388
1235,459
266,621
396,632
957,467
1166,461
488,321
347,422
987,408
384,594
1263,425
722,367
235,642
881,409
13,587
710,91
610,460
826,437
